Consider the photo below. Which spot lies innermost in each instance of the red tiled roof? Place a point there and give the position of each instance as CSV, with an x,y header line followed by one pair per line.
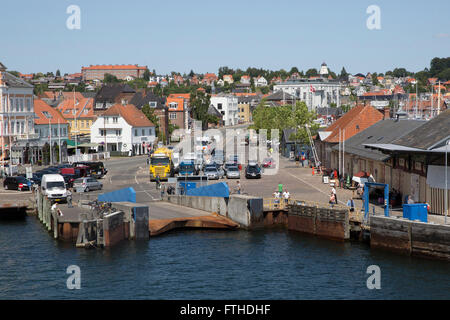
x,y
84,108
114,67
179,102
354,121
40,106
383,92
186,96
132,115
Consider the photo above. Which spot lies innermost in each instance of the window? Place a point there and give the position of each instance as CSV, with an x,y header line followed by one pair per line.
x,y
106,120
118,132
102,132
46,114
219,106
17,105
55,132
21,105
173,105
172,115
143,132
152,104
115,119
28,105
136,132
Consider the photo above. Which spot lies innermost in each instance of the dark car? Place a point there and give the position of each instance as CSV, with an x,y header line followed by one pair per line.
x,y
17,183
69,179
36,179
253,171
96,169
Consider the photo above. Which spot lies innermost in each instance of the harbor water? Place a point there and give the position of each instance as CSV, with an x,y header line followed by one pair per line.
x,y
190,264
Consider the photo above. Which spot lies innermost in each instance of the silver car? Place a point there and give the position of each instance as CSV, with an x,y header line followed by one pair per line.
x,y
212,173
86,184
233,173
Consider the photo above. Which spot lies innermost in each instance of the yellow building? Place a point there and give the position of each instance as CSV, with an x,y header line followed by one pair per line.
x,y
79,112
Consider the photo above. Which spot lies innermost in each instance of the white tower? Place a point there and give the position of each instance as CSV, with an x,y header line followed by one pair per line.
x,y
323,70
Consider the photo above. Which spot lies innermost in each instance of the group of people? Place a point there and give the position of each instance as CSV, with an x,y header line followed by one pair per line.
x,y
280,194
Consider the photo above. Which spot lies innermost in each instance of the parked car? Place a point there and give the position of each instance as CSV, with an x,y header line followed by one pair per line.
x,y
233,172
253,171
16,183
211,172
95,169
87,184
218,167
228,165
54,187
268,163
69,179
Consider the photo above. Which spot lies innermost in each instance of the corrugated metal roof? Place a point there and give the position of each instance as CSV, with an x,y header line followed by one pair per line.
x,y
379,135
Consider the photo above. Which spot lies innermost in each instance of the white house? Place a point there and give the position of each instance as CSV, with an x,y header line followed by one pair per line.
x,y
123,128
16,116
260,81
227,105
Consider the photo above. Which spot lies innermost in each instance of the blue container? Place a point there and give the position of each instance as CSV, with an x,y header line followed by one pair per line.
x,y
416,211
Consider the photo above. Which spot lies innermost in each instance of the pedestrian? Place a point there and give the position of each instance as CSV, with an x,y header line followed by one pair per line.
x,y
238,187
280,188
286,196
410,200
333,191
69,198
332,199
163,190
55,209
351,204
158,182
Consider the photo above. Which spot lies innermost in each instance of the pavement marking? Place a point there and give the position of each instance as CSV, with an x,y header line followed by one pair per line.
x,y
309,184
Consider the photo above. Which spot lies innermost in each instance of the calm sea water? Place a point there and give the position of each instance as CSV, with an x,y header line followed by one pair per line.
x,y
265,264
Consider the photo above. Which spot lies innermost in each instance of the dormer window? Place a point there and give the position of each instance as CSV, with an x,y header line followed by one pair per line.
x,y
173,105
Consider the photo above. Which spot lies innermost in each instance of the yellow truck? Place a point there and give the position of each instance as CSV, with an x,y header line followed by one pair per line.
x,y
161,164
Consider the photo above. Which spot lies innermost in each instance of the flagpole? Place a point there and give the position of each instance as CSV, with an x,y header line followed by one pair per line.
x,y
50,137
59,142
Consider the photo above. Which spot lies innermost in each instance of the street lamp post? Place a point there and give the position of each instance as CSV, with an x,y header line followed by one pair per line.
x,y
446,183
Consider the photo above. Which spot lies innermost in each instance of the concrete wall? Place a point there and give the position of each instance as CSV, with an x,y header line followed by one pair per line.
x,y
245,210
209,204
136,220
324,222
410,237
113,228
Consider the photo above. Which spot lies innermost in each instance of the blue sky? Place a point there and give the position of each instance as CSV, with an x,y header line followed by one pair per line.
x,y
204,35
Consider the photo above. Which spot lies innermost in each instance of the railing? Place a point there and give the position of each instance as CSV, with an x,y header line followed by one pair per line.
x,y
88,157
270,204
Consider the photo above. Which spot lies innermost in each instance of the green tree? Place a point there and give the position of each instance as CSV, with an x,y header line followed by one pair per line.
x,y
200,103
146,75
109,78
283,117
312,73
344,75
150,114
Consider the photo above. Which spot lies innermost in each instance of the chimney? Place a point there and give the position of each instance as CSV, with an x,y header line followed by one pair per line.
x,y
124,102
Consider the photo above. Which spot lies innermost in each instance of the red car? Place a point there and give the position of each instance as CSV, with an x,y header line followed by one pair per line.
x,y
268,162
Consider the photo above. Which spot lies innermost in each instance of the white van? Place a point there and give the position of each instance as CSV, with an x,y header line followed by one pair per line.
x,y
54,187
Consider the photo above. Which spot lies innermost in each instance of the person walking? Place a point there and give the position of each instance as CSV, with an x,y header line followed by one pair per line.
x,y
158,182
163,190
286,196
238,187
333,191
332,199
351,204
69,198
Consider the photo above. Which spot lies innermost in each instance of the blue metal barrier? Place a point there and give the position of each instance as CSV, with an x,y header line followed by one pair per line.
x,y
122,195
